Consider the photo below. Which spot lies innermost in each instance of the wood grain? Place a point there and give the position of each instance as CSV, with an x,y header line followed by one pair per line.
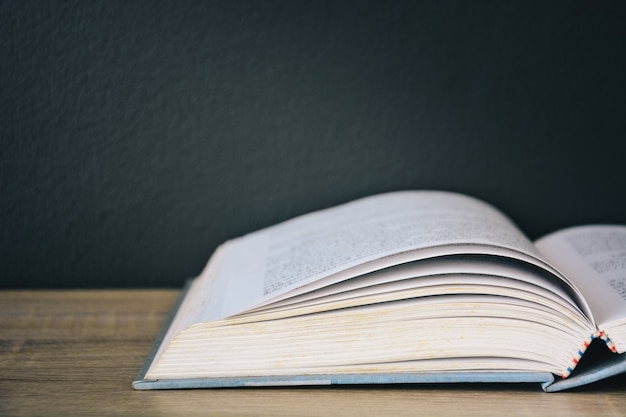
x,y
75,353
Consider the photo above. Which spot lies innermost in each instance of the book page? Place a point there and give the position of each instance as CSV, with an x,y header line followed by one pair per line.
x,y
475,269
594,258
265,264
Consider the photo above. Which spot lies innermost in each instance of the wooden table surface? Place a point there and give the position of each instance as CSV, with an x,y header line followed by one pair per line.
x,y
75,353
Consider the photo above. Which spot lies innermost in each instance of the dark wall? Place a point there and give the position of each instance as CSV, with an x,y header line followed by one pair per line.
x,y
137,136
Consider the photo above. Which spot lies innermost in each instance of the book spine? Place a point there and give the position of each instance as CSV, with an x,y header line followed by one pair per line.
x,y
600,334
577,356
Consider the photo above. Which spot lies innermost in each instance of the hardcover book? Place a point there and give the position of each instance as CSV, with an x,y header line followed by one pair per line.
x,y
402,287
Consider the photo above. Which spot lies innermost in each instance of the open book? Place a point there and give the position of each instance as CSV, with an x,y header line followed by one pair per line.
x,y
403,287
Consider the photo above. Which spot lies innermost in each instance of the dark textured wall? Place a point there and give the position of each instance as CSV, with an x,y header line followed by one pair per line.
x,y
136,136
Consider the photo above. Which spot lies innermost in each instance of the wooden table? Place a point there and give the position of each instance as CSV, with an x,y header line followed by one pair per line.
x,y
75,353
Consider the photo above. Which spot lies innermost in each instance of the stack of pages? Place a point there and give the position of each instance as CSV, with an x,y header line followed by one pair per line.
x,y
403,287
